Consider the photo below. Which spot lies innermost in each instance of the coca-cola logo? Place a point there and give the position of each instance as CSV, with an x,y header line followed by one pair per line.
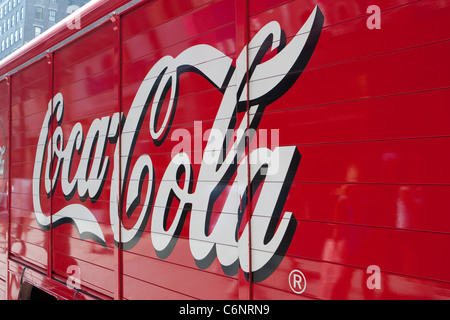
x,y
223,163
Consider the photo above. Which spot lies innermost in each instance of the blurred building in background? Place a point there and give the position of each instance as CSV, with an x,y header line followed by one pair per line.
x,y
23,20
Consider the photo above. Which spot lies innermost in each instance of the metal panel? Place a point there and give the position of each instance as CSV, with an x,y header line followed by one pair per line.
x,y
28,241
4,180
84,77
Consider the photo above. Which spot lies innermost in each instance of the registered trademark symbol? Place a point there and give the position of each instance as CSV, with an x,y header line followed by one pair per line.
x,y
297,281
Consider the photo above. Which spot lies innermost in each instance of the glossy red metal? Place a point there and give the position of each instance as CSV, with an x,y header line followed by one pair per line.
x,y
350,128
87,15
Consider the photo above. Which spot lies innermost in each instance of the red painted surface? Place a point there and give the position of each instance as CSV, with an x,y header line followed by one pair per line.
x,y
360,120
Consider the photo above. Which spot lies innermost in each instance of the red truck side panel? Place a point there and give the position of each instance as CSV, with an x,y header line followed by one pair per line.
x,y
4,185
230,149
